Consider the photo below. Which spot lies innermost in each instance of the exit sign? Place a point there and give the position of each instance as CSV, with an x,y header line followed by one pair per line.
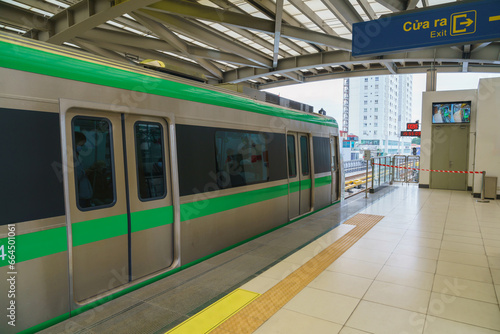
x,y
461,22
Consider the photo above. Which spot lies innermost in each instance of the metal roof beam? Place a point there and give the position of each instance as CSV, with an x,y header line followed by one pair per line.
x,y
192,29
487,55
391,67
412,4
86,45
181,65
267,7
264,43
367,8
344,11
172,39
123,38
277,31
22,18
311,15
294,76
245,21
45,6
476,47
84,16
394,5
252,36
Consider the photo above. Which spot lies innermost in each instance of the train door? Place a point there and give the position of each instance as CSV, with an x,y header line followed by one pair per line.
x,y
150,198
117,177
293,176
305,174
335,168
299,174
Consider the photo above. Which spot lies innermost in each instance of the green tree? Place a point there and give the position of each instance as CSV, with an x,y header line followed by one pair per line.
x,y
416,141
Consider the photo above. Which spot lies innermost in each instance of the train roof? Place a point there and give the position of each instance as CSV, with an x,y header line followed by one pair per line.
x,y
28,55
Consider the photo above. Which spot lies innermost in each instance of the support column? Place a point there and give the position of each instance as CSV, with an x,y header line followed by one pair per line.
x,y
431,80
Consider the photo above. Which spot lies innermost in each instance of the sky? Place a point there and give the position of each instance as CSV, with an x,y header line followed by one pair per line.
x,y
328,94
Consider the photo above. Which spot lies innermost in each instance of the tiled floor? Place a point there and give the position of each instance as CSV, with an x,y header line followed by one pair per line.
x,y
431,266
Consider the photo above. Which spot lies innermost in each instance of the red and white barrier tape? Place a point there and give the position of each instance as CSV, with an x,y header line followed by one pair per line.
x,y
432,170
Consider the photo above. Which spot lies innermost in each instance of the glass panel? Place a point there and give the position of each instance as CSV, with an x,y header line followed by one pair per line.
x,y
292,166
94,170
242,158
304,155
150,160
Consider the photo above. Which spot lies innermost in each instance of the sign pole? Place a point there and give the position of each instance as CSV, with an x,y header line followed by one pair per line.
x,y
366,180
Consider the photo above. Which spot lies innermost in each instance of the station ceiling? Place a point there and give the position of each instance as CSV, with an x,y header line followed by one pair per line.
x,y
261,43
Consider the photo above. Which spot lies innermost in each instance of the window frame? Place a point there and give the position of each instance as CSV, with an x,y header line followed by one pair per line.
x,y
165,189
291,176
113,169
302,156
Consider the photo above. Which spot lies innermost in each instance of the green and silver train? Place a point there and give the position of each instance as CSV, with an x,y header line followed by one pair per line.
x,y
115,176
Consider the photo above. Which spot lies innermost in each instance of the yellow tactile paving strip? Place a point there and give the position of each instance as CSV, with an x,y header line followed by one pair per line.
x,y
206,320
251,317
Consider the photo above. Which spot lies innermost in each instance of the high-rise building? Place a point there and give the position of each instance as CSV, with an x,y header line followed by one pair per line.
x,y
379,108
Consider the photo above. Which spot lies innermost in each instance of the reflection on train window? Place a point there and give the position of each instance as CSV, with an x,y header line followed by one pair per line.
x,y
93,161
292,167
304,155
242,158
150,160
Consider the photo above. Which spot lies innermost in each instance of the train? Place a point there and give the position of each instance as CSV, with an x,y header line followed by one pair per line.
x,y
114,176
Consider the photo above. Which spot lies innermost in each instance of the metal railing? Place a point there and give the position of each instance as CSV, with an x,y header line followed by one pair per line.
x,y
404,173
381,171
353,166
381,174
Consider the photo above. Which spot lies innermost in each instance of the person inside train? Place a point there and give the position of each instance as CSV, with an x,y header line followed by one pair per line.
x,y
85,191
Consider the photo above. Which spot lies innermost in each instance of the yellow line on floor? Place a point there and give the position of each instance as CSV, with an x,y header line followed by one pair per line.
x,y
251,317
495,18
209,318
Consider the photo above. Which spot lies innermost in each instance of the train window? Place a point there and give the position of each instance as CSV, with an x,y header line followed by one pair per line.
x,y
304,155
93,162
322,155
292,167
150,160
242,158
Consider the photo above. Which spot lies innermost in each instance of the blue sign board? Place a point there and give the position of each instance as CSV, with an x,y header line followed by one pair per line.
x,y
460,23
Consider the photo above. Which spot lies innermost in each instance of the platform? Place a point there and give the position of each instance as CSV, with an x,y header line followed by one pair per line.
x,y
405,260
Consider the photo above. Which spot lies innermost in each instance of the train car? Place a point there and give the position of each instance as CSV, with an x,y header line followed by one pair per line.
x,y
114,176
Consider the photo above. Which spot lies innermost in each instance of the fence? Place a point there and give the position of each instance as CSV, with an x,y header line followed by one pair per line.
x,y
401,174
381,171
353,166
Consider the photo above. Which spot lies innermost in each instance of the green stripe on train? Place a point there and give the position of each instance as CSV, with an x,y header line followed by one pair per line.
x,y
43,243
99,229
209,206
294,187
323,181
33,245
43,62
146,219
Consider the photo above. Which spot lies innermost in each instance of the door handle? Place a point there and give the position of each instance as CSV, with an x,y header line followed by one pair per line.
x,y
450,164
